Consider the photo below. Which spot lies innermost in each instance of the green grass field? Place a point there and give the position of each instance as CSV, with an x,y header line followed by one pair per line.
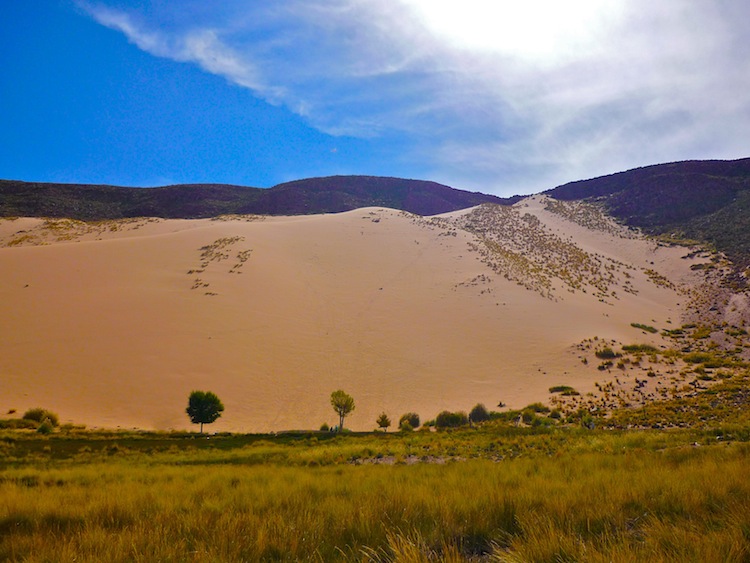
x,y
497,493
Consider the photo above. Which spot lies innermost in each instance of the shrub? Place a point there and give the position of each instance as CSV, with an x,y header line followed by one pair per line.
x,y
410,418
701,333
17,423
647,328
324,427
698,358
45,427
564,389
479,413
642,348
606,353
41,415
447,419
537,407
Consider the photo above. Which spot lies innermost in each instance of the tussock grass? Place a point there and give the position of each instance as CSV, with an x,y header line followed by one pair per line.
x,y
516,495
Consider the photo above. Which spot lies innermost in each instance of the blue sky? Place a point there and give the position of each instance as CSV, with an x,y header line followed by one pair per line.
x,y
500,97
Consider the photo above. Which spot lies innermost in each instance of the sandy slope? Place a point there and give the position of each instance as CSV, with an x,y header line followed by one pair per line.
x,y
114,324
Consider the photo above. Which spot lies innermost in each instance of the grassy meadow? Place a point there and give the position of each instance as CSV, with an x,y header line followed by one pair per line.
x,y
494,493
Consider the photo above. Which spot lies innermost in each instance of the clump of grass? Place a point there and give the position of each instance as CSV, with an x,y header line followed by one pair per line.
x,y
563,389
606,353
640,349
41,416
644,327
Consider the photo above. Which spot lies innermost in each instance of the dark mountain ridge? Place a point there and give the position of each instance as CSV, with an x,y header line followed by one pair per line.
x,y
707,200
189,201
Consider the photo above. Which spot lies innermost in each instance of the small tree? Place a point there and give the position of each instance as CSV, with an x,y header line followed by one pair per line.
x,y
383,421
204,407
409,421
343,404
479,414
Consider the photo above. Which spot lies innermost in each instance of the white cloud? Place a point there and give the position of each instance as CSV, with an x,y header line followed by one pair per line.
x,y
492,95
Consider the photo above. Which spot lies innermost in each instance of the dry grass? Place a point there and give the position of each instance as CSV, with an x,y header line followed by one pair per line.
x,y
565,496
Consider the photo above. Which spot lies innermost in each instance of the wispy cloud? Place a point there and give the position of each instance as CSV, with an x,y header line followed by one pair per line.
x,y
644,82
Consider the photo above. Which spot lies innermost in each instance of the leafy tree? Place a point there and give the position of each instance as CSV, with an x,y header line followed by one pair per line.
x,y
204,407
408,421
479,414
343,404
383,421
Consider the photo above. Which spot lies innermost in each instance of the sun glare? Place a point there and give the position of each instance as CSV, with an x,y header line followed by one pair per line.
x,y
535,29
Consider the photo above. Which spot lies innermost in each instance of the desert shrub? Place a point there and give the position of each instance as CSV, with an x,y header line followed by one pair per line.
x,y
538,407
699,358
410,418
479,413
528,416
642,348
606,353
17,423
324,427
701,333
447,419
45,427
733,331
560,388
40,415
647,328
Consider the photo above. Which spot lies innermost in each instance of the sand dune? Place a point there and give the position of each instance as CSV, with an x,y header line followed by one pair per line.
x,y
114,324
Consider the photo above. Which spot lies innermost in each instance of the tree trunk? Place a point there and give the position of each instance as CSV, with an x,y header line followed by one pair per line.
x,y
341,422
201,428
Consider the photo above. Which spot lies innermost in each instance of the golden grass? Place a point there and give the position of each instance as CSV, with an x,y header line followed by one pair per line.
x,y
563,496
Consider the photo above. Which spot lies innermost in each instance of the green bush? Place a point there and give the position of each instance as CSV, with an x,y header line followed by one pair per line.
x,y
647,328
640,348
566,390
537,407
410,418
479,414
447,419
702,358
45,427
40,415
606,353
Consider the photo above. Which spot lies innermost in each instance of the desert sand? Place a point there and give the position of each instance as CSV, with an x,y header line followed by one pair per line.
x,y
113,324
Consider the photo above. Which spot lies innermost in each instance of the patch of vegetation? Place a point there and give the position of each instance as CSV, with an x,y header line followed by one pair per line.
x,y
448,419
408,421
646,328
41,415
640,349
564,390
606,353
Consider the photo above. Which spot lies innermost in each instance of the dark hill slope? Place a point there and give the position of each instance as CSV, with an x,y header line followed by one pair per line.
x,y
343,193
315,195
702,200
